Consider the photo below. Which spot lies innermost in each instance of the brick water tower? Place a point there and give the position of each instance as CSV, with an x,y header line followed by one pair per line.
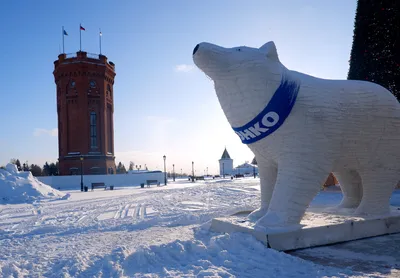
x,y
85,109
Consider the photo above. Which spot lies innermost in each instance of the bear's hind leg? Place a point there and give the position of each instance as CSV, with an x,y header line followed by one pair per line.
x,y
378,185
350,183
267,172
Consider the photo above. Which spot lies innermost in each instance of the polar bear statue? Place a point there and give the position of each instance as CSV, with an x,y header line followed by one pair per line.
x,y
301,128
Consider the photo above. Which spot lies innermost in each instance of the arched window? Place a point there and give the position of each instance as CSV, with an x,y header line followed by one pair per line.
x,y
93,130
109,90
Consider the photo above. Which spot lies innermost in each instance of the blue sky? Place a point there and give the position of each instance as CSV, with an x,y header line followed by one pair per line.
x,y
163,104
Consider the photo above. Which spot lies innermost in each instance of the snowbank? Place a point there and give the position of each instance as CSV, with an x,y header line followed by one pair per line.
x,y
22,187
213,255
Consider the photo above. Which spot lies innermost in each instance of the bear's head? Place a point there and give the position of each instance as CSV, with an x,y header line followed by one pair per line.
x,y
244,78
221,63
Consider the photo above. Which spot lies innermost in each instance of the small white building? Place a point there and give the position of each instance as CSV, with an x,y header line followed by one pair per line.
x,y
247,169
225,164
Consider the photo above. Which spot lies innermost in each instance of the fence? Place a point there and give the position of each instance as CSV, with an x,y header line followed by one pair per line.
x,y
74,182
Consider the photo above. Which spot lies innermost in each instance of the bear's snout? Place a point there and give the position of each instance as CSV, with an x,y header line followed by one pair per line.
x,y
196,48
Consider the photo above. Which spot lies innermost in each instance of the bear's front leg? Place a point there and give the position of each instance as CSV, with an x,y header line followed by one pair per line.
x,y
267,171
298,181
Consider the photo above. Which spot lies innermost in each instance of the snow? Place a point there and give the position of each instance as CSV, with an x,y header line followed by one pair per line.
x,y
147,232
22,187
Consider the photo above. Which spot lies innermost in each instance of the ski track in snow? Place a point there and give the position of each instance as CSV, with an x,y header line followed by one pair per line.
x,y
144,233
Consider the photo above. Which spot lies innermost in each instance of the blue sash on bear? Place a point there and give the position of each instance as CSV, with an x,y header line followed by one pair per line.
x,y
273,115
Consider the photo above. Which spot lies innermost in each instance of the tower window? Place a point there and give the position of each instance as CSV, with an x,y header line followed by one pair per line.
x,y
93,130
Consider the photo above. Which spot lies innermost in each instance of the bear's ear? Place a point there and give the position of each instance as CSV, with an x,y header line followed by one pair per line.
x,y
270,50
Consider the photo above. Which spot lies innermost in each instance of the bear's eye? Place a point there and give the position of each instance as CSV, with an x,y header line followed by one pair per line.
x,y
238,49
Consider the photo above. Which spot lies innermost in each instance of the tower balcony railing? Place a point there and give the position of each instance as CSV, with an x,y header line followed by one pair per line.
x,y
81,55
93,56
88,55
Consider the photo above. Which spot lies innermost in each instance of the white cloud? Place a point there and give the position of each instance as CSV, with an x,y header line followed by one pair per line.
x,y
184,68
43,131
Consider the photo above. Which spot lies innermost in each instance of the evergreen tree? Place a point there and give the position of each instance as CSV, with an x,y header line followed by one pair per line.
x,y
53,170
375,54
25,167
36,170
46,169
121,168
131,164
18,163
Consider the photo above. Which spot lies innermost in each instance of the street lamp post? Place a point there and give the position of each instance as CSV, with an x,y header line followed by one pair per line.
x,y
207,171
192,171
254,171
165,171
81,173
173,172
223,169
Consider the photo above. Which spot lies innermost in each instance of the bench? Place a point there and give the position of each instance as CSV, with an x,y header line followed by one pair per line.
x,y
149,182
98,184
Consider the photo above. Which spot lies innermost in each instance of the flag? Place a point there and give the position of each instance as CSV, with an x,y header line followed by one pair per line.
x,y
80,36
65,33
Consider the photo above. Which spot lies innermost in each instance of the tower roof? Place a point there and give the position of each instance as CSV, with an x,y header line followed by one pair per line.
x,y
254,162
225,155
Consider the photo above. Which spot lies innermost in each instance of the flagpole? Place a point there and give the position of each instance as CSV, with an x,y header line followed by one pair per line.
x,y
80,37
62,34
100,34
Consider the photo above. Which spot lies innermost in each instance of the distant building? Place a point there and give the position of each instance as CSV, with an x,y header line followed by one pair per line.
x,y
225,164
331,180
85,109
246,169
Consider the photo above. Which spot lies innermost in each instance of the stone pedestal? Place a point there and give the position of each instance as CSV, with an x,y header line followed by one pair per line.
x,y
319,227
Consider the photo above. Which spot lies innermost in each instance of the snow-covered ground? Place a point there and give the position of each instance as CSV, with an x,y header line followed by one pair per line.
x,y
146,232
